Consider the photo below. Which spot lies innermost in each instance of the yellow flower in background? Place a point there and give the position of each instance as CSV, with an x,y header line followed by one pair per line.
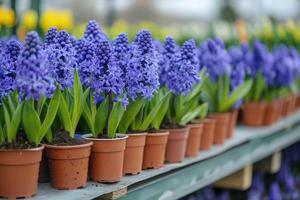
x,y
281,32
7,17
117,27
266,31
61,19
29,20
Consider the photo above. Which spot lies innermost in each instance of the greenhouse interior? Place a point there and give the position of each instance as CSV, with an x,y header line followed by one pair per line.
x,y
150,99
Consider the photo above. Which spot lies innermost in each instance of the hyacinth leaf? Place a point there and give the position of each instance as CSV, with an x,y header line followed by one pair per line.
x,y
41,103
131,112
63,113
77,92
153,113
31,122
161,112
204,111
89,116
209,94
49,136
101,117
50,115
178,103
188,117
241,91
12,122
259,86
114,119
223,92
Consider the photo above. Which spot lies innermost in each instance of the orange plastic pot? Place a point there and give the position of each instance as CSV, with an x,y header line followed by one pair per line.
x,y
254,113
194,139
293,105
176,145
298,101
19,170
155,150
68,165
134,151
222,126
272,112
233,122
208,132
106,161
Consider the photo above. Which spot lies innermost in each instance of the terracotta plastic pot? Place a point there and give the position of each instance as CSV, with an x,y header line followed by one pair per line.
x,y
293,104
285,104
233,120
68,165
272,112
19,170
254,113
208,132
194,139
222,126
106,161
155,150
280,108
176,145
134,151
298,101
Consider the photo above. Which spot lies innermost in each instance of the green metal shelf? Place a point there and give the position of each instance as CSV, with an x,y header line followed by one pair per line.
x,y
177,180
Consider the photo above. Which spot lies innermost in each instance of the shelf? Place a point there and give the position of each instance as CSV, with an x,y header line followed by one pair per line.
x,y
176,180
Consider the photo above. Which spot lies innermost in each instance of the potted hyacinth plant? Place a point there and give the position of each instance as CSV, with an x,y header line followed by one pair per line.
x,y
140,71
105,104
29,103
192,107
216,87
260,70
239,61
281,88
68,156
181,74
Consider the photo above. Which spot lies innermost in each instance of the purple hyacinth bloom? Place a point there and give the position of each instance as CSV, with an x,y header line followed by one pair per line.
x,y
261,62
283,66
120,51
107,76
32,76
93,32
8,62
86,61
183,70
214,59
208,193
49,36
61,59
142,68
223,195
166,53
275,193
239,57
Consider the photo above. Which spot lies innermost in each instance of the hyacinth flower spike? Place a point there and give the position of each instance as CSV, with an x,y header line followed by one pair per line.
x,y
142,83
36,89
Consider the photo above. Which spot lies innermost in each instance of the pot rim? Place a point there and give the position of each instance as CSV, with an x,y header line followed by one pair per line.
x,y
90,143
195,125
88,137
175,129
39,148
136,134
162,132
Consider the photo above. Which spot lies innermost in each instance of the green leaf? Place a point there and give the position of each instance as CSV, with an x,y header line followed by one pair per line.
x,y
259,86
31,123
101,117
237,94
223,91
7,123
12,130
114,119
77,92
161,113
64,114
188,117
50,114
131,112
153,113
49,136
204,110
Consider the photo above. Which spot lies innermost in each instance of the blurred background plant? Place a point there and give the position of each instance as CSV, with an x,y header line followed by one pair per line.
x,y
234,21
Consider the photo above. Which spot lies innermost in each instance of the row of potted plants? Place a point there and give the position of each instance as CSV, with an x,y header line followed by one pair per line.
x,y
113,107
